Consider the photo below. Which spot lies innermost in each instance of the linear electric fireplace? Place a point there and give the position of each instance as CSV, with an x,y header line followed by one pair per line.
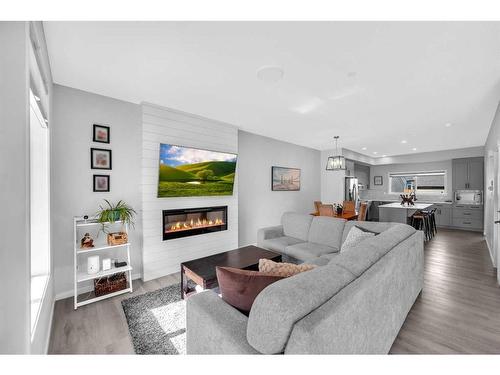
x,y
193,221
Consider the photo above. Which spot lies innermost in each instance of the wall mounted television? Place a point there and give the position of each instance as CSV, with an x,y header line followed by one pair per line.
x,y
189,172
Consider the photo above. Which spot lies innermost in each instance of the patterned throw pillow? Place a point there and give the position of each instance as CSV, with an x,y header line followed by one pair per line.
x,y
283,269
354,237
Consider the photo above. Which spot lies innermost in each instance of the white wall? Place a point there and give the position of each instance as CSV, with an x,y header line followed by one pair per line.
x,y
14,189
491,174
382,191
259,206
74,113
163,125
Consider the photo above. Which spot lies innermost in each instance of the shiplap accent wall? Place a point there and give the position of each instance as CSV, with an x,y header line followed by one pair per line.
x,y
164,125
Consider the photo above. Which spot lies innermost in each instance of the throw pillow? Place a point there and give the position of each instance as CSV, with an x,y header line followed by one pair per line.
x,y
283,269
239,288
354,237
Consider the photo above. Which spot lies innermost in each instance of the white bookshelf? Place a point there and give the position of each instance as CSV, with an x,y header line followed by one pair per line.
x,y
101,248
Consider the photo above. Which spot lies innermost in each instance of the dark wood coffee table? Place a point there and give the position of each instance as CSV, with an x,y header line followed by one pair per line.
x,y
202,271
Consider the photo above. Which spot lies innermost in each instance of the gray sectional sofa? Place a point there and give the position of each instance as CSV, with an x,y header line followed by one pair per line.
x,y
355,302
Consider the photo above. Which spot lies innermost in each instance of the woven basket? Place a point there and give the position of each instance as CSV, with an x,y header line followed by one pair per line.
x,y
118,238
110,284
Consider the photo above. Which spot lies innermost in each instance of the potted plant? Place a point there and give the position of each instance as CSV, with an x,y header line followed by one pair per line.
x,y
115,212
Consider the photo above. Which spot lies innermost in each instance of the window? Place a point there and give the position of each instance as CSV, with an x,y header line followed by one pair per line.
x,y
421,182
39,208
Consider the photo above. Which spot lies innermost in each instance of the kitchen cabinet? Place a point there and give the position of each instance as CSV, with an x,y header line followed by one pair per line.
x,y
467,216
468,173
443,215
476,174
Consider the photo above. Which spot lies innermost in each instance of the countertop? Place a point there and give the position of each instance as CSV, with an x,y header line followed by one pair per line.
x,y
417,206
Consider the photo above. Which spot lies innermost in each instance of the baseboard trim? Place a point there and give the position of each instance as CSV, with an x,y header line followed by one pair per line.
x,y
69,293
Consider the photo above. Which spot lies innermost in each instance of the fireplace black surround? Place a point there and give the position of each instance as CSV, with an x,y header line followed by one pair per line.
x,y
193,221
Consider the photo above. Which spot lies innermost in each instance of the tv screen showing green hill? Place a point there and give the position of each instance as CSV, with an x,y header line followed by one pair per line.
x,y
188,172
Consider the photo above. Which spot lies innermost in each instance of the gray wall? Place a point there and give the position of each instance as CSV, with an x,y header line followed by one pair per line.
x,y
258,205
14,189
74,112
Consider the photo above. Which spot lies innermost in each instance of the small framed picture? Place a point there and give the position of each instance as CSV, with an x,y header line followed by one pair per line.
x,y
285,179
101,134
101,183
377,180
100,158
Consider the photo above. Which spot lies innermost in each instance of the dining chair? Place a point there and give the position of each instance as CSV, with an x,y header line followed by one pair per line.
x,y
317,204
326,210
362,211
349,206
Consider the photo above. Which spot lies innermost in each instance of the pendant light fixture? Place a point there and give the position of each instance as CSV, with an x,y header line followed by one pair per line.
x,y
336,162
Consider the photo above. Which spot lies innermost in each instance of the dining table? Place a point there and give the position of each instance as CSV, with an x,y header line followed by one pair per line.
x,y
349,215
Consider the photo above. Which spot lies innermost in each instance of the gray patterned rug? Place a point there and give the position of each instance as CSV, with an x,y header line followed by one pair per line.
x,y
157,321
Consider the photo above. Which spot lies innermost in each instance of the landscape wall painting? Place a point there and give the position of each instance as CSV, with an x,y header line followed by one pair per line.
x,y
188,172
285,179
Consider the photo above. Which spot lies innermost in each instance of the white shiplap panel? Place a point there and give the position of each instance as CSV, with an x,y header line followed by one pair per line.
x,y
172,116
163,125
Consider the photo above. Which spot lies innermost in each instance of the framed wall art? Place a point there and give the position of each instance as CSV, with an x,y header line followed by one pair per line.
x,y
285,179
101,133
100,158
101,183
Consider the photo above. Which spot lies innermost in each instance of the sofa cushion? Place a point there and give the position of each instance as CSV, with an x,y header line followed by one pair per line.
x,y
280,243
296,225
367,252
306,250
330,256
319,261
277,308
326,231
372,226
240,287
354,237
283,269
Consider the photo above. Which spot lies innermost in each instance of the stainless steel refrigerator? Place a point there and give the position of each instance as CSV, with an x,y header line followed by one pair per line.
x,y
351,190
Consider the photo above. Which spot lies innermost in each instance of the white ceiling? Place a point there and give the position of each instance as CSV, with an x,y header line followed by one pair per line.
x,y
373,83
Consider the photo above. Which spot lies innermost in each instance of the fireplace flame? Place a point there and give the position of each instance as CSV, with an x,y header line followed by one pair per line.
x,y
195,224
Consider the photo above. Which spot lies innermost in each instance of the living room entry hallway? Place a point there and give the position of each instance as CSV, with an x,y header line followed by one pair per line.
x,y
456,313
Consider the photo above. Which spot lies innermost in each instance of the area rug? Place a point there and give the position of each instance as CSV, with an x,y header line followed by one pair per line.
x,y
157,321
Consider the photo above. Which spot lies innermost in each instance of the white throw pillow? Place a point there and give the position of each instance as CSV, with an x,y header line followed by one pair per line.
x,y
354,237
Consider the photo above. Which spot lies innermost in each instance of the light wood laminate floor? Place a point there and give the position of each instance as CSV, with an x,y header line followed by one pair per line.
x,y
458,311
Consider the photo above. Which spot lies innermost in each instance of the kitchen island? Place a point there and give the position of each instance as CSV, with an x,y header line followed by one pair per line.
x,y
397,213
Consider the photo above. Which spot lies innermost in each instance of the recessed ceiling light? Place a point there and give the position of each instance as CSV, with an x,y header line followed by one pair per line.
x,y
447,125
364,148
403,141
375,152
270,73
414,149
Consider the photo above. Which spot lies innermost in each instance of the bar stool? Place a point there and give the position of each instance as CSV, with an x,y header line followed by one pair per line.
x,y
421,221
432,220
